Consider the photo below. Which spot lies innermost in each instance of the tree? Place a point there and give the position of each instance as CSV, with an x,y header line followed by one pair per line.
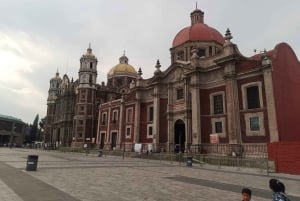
x,y
34,129
41,129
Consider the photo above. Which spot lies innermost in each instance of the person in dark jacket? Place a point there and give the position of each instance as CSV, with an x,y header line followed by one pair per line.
x,y
278,189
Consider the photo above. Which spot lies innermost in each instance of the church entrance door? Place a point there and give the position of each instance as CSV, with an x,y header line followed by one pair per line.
x,y
179,136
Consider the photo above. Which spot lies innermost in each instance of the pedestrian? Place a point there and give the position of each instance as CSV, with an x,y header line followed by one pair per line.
x,y
246,194
278,189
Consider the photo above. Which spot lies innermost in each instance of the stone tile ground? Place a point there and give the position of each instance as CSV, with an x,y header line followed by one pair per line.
x,y
91,178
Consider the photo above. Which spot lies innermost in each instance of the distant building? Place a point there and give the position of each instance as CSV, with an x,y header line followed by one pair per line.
x,y
11,130
210,91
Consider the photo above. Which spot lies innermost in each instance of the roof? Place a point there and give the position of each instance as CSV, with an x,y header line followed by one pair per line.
x,y
10,118
122,69
198,32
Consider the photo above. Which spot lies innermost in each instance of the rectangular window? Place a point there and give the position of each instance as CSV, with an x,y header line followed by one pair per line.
x,y
103,118
150,131
129,115
179,93
218,127
114,117
180,55
254,123
218,104
81,108
90,79
150,114
91,65
128,131
253,97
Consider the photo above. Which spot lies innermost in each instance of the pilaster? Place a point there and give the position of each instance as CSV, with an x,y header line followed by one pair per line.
x,y
270,104
233,117
156,115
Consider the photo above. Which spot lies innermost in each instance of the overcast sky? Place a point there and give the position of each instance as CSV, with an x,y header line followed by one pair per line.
x,y
38,37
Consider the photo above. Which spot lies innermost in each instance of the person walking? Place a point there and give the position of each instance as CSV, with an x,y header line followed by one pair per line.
x,y
246,194
278,189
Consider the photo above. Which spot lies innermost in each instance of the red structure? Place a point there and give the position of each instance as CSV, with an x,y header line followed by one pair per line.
x,y
286,156
209,89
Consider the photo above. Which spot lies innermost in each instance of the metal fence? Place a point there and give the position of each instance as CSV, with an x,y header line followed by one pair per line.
x,y
250,150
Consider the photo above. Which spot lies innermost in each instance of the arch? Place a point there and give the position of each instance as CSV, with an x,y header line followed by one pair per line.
x,y
179,136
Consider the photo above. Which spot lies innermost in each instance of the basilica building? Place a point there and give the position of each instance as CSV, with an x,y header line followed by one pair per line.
x,y
209,94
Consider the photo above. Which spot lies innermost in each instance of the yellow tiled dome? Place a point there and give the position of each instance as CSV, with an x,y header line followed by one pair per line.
x,y
123,68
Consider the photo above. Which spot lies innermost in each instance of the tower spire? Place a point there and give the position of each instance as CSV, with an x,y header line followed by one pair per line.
x,y
196,5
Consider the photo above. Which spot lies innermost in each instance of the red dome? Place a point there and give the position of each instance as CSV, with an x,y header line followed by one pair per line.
x,y
198,32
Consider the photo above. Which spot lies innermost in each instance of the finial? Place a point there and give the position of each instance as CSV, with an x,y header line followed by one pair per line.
x,y
140,71
90,45
157,64
57,73
196,5
123,52
228,35
265,59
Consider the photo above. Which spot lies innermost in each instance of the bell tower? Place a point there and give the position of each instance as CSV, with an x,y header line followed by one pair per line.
x,y
85,118
53,92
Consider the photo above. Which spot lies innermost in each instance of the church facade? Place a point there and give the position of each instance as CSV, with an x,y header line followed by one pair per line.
x,y
210,93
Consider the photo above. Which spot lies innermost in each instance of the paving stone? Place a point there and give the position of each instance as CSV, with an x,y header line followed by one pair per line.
x,y
92,178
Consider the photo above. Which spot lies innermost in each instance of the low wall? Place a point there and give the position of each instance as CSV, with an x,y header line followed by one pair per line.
x,y
286,156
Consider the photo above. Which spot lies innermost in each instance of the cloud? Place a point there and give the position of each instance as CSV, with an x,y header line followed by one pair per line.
x,y
43,36
21,57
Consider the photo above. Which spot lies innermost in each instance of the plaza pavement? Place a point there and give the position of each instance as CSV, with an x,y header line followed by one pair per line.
x,y
75,176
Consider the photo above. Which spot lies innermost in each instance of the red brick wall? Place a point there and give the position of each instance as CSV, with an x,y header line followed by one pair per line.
x,y
286,156
206,127
143,123
163,122
253,139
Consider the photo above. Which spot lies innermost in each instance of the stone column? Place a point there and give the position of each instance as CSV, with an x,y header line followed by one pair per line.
x,y
156,115
122,123
108,137
170,118
233,117
270,104
188,117
195,107
196,117
137,121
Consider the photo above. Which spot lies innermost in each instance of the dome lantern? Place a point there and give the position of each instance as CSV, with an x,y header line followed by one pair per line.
x,y
197,16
